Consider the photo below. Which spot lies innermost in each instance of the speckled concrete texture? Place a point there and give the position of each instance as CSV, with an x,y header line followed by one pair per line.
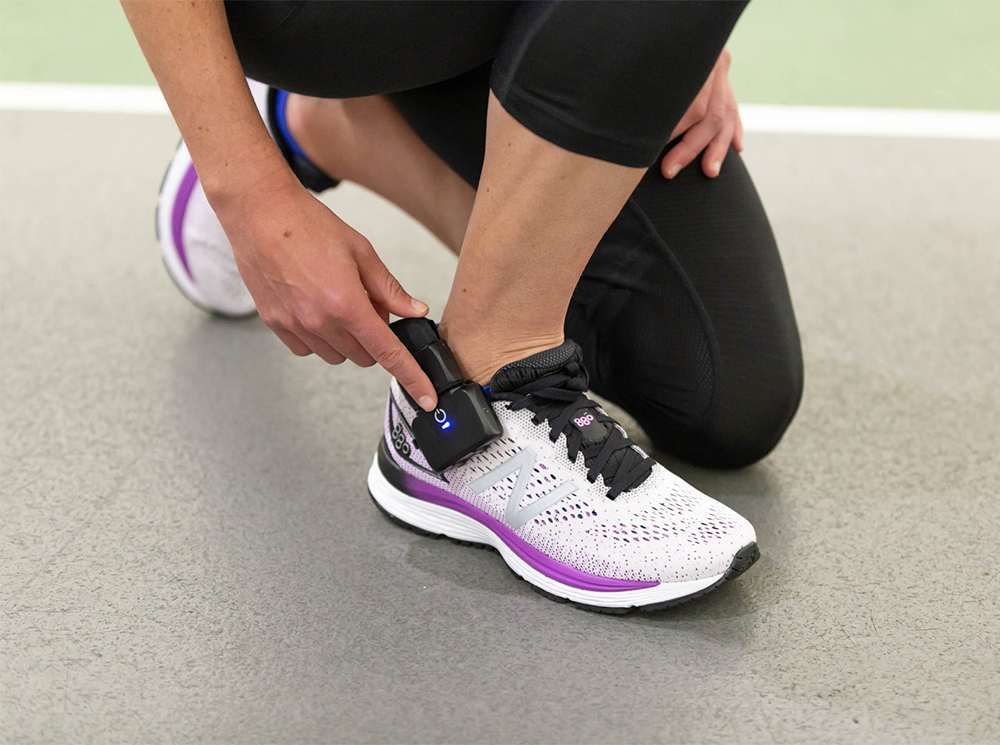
x,y
189,553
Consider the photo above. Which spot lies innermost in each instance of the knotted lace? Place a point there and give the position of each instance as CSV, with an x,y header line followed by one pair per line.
x,y
560,397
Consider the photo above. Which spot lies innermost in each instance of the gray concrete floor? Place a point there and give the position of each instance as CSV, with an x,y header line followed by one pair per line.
x,y
189,554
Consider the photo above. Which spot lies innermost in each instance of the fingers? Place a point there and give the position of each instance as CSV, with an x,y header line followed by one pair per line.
x,y
724,61
389,352
715,153
713,135
694,141
711,124
329,330
698,137
322,350
356,331
294,343
332,346
343,313
384,290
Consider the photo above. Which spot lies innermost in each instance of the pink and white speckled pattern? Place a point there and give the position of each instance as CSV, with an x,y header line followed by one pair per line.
x,y
664,530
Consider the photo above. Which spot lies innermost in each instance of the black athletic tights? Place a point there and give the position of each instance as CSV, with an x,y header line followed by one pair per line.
x,y
683,312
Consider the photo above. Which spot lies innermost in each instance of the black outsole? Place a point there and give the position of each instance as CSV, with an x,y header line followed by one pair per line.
x,y
745,558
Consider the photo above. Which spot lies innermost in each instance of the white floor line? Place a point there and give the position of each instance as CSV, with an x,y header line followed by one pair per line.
x,y
826,120
113,99
842,120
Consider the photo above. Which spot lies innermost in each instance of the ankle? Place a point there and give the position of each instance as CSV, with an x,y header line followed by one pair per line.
x,y
480,352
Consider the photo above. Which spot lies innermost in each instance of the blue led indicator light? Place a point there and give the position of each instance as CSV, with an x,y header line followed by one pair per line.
x,y
446,425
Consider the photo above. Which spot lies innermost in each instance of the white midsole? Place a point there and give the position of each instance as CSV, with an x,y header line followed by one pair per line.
x,y
440,520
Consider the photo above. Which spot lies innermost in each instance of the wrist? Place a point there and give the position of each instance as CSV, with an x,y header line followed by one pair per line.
x,y
241,185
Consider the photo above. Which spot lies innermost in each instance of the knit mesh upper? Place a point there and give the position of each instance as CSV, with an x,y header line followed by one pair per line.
x,y
663,530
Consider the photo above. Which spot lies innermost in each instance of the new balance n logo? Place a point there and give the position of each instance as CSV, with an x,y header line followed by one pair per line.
x,y
522,464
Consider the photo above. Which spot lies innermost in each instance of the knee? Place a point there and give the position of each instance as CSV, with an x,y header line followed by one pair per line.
x,y
747,420
747,429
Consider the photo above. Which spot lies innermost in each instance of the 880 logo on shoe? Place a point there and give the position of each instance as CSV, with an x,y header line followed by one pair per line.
x,y
399,440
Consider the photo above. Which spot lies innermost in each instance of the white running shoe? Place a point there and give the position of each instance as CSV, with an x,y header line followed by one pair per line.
x,y
196,251
570,503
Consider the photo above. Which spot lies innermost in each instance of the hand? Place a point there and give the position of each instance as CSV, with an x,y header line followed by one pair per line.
x,y
711,123
320,286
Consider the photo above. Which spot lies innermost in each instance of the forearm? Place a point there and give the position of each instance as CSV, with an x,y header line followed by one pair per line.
x,y
190,50
318,284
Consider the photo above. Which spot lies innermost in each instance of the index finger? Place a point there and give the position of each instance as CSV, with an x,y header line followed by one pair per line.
x,y
387,350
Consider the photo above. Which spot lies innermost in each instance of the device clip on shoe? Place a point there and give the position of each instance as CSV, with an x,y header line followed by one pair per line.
x,y
464,421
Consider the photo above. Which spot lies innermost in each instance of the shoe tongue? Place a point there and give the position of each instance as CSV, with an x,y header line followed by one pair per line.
x,y
593,432
516,374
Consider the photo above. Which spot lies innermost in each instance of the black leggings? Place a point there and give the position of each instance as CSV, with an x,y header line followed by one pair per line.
x,y
683,311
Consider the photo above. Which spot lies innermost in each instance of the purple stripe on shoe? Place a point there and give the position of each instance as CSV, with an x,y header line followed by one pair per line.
x,y
177,218
530,555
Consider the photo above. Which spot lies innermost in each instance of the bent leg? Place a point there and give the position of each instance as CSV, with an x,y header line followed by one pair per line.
x,y
345,50
683,311
578,111
609,79
606,99
686,321
367,141
539,212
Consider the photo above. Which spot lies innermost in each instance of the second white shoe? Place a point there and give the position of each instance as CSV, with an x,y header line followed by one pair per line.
x,y
196,251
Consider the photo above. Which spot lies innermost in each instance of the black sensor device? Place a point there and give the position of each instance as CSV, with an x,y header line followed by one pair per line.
x,y
464,421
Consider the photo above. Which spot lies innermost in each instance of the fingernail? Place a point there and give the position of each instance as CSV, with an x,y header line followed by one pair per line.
x,y
673,170
716,167
426,403
419,306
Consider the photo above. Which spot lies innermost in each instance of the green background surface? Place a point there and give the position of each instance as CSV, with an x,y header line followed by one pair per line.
x,y
896,53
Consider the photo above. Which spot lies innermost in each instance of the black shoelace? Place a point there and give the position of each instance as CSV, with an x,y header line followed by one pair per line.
x,y
558,398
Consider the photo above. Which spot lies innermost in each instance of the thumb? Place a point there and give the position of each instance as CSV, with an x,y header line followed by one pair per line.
x,y
384,289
